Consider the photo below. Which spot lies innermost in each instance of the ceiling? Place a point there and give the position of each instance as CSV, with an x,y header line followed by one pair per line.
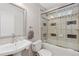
x,y
52,5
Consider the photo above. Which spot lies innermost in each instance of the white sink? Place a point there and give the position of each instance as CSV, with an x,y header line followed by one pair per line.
x,y
12,48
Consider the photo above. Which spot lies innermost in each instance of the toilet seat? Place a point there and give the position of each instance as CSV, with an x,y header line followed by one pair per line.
x,y
44,52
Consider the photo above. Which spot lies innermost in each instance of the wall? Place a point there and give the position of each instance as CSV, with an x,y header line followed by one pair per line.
x,y
33,19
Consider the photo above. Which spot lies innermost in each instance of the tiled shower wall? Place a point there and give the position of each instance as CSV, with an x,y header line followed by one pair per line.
x,y
63,27
44,28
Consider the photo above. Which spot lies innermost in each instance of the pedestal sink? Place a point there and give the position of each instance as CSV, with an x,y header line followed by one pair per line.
x,y
13,48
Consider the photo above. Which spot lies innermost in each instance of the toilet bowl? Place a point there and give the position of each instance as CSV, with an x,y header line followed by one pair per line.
x,y
37,47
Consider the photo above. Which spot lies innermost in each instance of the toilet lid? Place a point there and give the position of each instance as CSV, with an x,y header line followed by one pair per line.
x,y
44,52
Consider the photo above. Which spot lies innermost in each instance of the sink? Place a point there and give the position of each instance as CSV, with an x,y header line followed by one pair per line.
x,y
12,48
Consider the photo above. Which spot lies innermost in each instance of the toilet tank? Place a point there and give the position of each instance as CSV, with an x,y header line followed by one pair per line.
x,y
36,46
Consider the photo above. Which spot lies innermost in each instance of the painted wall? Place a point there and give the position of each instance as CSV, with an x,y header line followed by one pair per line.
x,y
33,19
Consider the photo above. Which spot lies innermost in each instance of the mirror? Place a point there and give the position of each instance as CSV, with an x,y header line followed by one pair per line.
x,y
11,20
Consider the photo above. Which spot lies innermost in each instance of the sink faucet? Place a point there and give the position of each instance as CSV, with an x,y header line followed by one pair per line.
x,y
13,38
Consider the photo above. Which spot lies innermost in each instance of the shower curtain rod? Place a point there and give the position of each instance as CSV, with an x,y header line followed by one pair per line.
x,y
57,8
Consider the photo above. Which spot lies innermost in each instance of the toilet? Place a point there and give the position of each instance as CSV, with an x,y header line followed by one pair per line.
x,y
39,50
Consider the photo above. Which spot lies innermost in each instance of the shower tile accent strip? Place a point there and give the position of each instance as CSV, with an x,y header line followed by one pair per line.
x,y
71,36
53,24
71,22
52,34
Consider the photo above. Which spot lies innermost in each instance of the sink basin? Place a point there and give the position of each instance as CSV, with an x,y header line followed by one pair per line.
x,y
12,48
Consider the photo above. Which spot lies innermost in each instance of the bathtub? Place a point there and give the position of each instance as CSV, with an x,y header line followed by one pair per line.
x,y
59,51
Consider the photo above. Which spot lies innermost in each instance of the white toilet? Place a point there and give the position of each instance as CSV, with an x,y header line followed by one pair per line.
x,y
37,47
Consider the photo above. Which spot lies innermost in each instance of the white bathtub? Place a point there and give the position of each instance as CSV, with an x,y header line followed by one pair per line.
x,y
59,51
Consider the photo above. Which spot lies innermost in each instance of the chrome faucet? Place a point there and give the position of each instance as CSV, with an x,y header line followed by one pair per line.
x,y
13,38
